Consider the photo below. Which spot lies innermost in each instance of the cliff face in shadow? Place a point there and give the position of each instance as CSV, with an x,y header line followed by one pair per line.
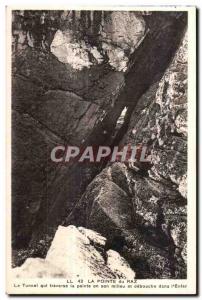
x,y
73,73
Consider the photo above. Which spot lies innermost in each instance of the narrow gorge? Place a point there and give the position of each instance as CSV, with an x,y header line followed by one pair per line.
x,y
100,78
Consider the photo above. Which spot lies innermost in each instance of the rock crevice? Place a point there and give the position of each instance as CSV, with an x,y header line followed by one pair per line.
x,y
73,75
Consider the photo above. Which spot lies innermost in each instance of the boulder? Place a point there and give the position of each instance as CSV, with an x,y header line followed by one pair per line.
x,y
77,252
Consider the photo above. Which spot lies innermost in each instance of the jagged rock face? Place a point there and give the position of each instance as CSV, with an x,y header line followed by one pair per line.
x,y
63,93
162,125
117,34
110,206
77,252
160,121
73,74
147,205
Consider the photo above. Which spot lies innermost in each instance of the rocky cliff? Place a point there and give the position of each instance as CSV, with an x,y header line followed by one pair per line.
x,y
74,72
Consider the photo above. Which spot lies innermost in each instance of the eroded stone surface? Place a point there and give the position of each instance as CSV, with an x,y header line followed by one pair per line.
x,y
144,208
119,33
74,53
72,253
73,74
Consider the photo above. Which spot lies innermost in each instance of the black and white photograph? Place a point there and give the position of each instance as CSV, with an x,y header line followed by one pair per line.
x,y
102,116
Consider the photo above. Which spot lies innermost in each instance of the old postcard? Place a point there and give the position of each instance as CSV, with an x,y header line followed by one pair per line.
x,y
101,150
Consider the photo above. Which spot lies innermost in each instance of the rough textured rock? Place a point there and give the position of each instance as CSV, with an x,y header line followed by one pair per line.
x,y
62,101
162,125
74,72
147,204
76,252
112,210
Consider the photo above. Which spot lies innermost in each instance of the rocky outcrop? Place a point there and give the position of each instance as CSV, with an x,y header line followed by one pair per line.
x,y
79,100
143,203
76,252
162,125
73,104
74,73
